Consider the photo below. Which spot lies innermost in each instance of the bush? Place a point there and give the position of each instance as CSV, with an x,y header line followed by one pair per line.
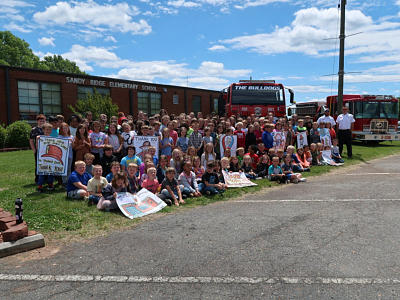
x,y
17,135
97,104
2,136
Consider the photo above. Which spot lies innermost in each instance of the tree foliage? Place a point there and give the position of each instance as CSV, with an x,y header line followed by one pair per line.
x,y
16,52
97,104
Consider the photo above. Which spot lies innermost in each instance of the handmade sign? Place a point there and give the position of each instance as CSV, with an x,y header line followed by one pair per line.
x,y
52,156
236,179
141,204
228,142
143,143
279,140
302,139
325,137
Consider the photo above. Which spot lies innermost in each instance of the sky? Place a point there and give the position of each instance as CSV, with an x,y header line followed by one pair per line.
x,y
213,43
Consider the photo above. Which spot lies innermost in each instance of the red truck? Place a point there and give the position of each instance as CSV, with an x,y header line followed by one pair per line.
x,y
258,97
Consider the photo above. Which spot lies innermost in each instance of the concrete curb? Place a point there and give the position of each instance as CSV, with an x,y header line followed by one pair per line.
x,y
22,245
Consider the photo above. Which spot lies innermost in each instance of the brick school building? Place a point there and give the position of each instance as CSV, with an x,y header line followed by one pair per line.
x,y
24,93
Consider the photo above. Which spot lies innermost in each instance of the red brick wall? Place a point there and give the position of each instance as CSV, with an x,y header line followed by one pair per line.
x,y
120,96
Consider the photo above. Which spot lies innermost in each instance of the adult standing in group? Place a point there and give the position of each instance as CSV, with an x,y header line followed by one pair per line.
x,y
35,132
326,118
345,123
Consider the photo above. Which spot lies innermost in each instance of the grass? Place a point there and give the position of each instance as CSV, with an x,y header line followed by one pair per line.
x,y
59,218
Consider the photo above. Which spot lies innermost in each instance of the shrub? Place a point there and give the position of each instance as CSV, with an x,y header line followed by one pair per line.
x,y
17,135
97,104
2,136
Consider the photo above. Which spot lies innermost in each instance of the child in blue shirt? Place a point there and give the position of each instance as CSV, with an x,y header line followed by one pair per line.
x,y
275,172
130,158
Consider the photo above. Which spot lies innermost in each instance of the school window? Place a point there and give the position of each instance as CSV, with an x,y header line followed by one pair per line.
x,y
35,98
196,104
149,103
84,91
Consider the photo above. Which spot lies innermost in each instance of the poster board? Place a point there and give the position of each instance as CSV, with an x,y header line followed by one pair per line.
x,y
302,139
143,143
228,142
279,140
141,204
236,179
52,156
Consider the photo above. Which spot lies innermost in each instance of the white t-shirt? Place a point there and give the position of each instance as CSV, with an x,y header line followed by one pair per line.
x,y
345,121
326,119
128,138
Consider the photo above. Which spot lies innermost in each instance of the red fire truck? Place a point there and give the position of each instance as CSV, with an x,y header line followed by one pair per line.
x,y
257,97
376,116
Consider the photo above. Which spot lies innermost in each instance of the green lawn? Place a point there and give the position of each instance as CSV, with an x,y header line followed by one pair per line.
x,y
59,218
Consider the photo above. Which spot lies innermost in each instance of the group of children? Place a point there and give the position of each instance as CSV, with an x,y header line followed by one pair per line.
x,y
189,162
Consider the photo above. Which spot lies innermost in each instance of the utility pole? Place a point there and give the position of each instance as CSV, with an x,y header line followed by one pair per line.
x,y
341,55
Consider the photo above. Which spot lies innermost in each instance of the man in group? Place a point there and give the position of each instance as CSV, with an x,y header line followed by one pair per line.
x,y
326,118
345,123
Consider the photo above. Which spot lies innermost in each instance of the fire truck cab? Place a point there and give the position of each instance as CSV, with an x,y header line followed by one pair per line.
x,y
376,116
258,97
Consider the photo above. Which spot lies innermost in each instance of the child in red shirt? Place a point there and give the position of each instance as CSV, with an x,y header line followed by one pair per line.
x,y
151,182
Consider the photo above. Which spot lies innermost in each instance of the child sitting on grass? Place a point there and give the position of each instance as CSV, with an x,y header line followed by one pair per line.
x,y
198,169
288,171
110,192
225,164
170,188
133,181
151,182
234,165
262,166
162,168
115,168
210,182
335,152
78,181
247,167
275,172
188,179
316,155
96,184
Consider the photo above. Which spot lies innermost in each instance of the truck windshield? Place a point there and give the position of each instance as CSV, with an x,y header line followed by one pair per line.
x,y
256,95
371,110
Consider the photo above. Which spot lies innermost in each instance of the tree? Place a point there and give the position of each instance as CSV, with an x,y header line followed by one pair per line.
x,y
15,52
59,64
97,104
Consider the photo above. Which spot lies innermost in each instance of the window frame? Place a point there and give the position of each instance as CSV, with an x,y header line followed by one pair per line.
x,y
150,109
31,117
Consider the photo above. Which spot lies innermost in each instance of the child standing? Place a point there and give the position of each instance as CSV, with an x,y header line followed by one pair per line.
x,y
166,143
47,128
88,159
98,140
81,143
183,140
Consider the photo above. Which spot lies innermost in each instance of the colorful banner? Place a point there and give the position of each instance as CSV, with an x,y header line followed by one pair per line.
x,y
141,204
143,143
228,142
279,140
302,139
236,179
325,137
52,156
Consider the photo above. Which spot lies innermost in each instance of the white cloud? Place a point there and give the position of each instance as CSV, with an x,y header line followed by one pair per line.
x,y
218,48
118,17
12,26
44,41
208,74
310,30
183,3
250,3
110,38
15,3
